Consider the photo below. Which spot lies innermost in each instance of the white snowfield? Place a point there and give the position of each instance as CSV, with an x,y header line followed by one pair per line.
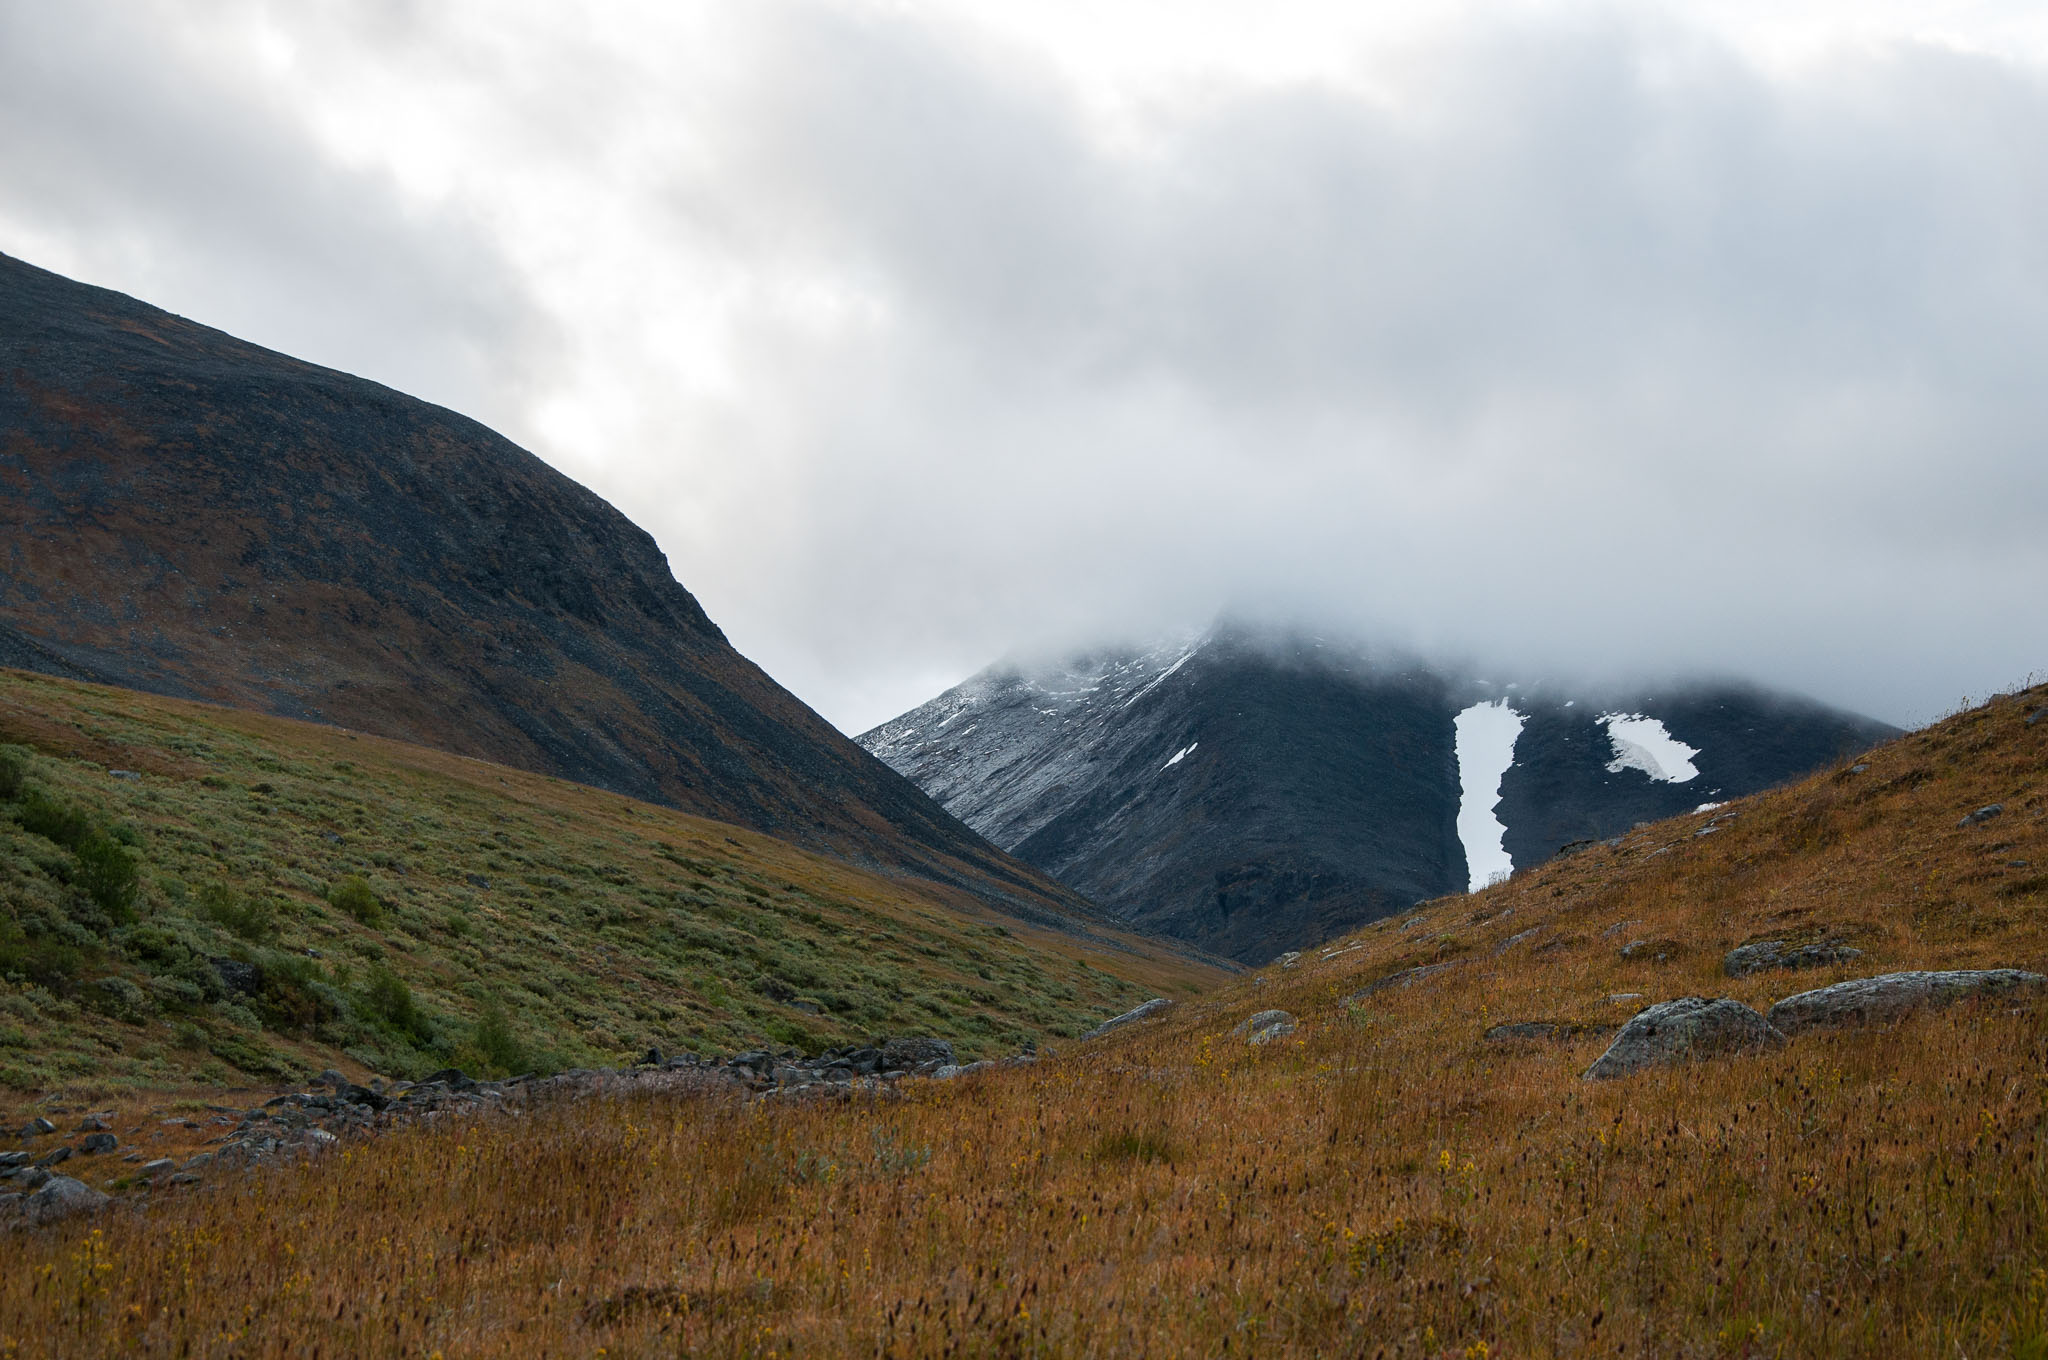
x,y
1486,749
1182,754
1643,743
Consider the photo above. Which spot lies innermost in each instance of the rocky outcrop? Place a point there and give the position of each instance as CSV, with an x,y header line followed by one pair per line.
x,y
1767,954
1891,996
1689,1028
1129,1017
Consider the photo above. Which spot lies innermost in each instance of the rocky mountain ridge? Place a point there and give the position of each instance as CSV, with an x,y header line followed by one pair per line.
x,y
1257,789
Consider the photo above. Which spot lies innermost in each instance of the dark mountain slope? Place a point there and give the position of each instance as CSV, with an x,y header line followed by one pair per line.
x,y
1313,789
1560,788
185,513
1258,790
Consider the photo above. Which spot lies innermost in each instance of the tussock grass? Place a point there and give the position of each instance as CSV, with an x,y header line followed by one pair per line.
x,y
1384,1182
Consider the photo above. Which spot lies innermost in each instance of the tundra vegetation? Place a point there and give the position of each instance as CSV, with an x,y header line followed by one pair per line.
x,y
194,894
1384,1180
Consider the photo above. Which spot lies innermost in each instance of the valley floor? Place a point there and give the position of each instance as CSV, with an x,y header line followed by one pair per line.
x,y
1386,1180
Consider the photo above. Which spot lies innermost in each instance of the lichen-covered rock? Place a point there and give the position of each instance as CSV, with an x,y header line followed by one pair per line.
x,y
1678,1031
1265,1027
1889,996
1755,958
58,1197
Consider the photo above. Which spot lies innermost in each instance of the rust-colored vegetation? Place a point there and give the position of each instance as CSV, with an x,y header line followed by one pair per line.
x,y
1386,1181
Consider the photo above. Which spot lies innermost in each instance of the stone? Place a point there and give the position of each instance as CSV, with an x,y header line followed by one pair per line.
x,y
243,979
95,1143
1688,1028
54,1156
29,1177
947,1071
651,1058
454,1078
2036,716
92,1123
1755,958
10,1160
1130,1017
1890,996
36,1126
59,1197
162,1166
363,1095
1982,815
1289,959
332,1078
1264,1027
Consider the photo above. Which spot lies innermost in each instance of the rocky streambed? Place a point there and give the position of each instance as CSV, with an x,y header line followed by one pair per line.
x,y
42,1178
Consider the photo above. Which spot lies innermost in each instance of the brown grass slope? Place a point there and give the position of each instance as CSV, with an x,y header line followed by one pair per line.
x,y
186,513
1385,1182
507,920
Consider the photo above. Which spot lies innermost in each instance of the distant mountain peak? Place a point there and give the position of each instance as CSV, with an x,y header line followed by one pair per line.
x,y
1257,787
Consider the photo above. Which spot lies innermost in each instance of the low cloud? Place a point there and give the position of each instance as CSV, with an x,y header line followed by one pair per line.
x,y
1574,340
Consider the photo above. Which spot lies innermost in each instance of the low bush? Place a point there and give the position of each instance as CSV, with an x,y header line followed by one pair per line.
x,y
386,999
250,917
354,896
13,772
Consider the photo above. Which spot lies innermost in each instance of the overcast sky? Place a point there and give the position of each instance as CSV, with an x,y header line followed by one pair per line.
x,y
1624,338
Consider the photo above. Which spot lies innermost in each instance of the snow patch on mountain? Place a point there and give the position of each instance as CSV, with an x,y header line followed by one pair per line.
x,y
1486,749
1182,754
1644,743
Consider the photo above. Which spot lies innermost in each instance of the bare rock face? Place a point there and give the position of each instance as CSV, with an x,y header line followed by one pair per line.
x,y
1689,1028
1890,996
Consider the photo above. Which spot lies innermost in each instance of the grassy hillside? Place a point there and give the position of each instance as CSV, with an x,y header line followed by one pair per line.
x,y
1388,1181
251,899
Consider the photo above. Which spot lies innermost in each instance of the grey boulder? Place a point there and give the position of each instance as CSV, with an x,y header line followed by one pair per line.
x,y
58,1197
1265,1027
1882,999
1678,1031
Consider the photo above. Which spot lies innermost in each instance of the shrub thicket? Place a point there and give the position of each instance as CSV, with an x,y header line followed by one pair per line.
x,y
354,896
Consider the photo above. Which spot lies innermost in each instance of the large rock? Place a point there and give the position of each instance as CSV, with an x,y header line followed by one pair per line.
x,y
1130,1017
1265,1027
1677,1031
58,1197
1882,999
1755,958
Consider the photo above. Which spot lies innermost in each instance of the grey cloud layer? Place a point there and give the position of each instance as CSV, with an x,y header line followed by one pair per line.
x,y
1581,343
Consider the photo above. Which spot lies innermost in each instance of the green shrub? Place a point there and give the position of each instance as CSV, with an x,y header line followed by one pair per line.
x,y
353,895
497,1044
52,819
42,959
386,998
13,772
107,875
252,918
104,871
294,997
